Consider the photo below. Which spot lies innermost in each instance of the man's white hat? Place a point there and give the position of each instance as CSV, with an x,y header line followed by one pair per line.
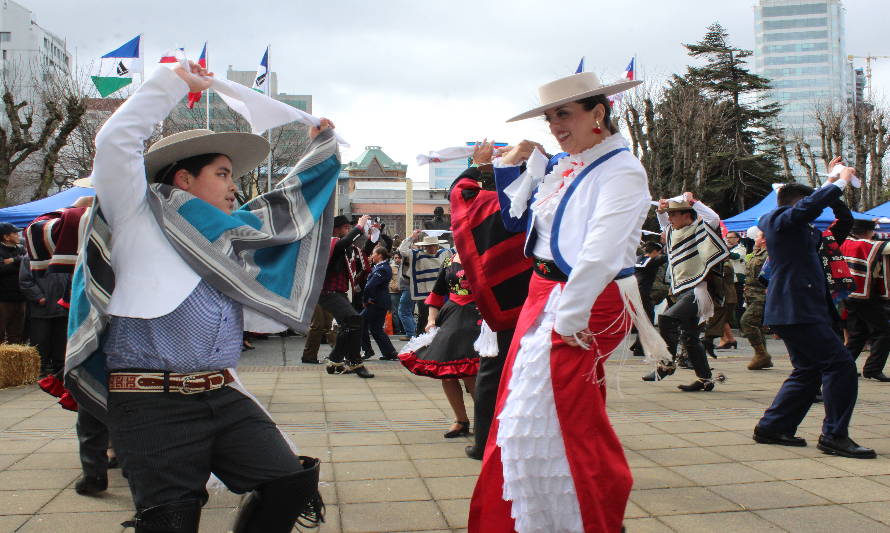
x,y
430,241
573,88
246,150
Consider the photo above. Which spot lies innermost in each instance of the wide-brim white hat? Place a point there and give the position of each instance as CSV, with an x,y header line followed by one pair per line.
x,y
246,150
573,88
430,241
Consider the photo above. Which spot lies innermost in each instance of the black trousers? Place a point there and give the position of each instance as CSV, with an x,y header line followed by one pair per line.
x,y
819,359
349,338
679,323
867,319
50,335
487,381
170,443
423,316
92,439
374,318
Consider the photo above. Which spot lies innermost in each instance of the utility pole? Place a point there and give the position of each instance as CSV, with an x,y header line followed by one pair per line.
x,y
868,60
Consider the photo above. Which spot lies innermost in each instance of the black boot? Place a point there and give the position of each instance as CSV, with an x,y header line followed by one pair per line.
x,y
708,343
706,385
360,371
88,485
277,505
177,517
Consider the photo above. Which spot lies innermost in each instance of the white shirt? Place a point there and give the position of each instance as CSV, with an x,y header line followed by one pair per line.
x,y
151,279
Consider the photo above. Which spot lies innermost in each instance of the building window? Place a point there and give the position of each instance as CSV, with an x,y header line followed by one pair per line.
x,y
796,36
788,11
5,36
797,47
794,60
794,23
799,71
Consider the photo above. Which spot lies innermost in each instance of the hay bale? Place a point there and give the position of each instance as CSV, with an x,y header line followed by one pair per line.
x,y
19,365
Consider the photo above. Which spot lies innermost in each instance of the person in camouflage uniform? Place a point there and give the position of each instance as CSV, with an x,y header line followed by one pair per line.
x,y
755,298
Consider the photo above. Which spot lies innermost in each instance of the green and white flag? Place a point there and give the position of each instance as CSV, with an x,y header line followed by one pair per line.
x,y
117,67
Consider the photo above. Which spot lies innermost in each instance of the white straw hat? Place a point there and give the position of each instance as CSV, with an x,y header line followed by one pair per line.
x,y
571,89
430,241
246,150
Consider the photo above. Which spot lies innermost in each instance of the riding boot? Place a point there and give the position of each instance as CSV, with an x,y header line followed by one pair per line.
x,y
176,517
276,506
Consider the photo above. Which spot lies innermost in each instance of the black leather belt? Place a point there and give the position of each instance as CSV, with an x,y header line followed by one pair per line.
x,y
549,270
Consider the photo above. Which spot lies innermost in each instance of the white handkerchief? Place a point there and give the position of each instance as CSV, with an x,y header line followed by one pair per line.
x,y
436,232
520,191
854,179
777,186
445,154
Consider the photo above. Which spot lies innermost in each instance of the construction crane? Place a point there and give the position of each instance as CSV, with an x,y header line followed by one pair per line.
x,y
868,60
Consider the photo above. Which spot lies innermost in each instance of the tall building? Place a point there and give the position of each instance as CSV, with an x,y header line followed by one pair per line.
x,y
799,45
443,173
26,49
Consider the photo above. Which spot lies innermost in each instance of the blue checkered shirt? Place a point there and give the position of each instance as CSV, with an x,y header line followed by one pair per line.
x,y
203,333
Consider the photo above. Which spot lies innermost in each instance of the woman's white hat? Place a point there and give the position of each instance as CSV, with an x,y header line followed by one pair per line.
x,y
573,88
246,150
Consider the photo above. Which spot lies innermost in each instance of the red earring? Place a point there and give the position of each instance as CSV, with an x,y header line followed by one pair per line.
x,y
597,129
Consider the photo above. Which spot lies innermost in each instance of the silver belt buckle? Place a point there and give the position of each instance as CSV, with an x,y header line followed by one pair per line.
x,y
185,389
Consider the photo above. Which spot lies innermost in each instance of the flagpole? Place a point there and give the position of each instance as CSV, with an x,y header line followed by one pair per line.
x,y
269,132
209,90
142,55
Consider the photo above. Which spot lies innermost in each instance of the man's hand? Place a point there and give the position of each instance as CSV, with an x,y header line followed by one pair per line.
x,y
662,205
326,124
415,235
197,77
519,153
362,221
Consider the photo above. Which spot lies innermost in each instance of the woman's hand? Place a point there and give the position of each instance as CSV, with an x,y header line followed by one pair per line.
x,y
429,326
585,336
326,124
483,152
519,153
196,77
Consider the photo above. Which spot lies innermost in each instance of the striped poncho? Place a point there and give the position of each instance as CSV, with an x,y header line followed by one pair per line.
x,y
270,256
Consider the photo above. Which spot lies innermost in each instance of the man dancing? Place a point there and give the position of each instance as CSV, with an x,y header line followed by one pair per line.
x,y
694,250
799,309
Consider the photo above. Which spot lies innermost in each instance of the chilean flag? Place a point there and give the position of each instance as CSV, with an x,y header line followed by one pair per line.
x,y
630,71
172,56
194,98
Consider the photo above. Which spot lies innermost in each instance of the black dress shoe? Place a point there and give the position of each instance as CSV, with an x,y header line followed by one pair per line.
x,y
463,431
700,384
472,453
845,447
113,463
361,372
765,437
310,361
877,377
88,485
393,357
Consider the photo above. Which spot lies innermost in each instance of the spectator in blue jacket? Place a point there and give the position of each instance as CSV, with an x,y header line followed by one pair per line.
x,y
377,303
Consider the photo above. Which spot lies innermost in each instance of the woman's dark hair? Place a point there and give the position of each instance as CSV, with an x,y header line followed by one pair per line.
x,y
591,101
193,165
792,192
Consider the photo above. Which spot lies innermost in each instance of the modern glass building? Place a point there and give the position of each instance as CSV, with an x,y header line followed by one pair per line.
x,y
799,45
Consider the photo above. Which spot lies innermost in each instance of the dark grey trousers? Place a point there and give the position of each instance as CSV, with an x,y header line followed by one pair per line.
x,y
170,443
349,338
92,439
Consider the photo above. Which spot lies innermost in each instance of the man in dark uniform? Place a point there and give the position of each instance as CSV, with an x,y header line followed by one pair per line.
x,y
799,309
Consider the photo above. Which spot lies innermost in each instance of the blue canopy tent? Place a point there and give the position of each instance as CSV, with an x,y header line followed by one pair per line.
x,y
21,215
749,217
879,211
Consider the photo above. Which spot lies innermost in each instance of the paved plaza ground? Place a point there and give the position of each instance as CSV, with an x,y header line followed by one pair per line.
x,y
386,467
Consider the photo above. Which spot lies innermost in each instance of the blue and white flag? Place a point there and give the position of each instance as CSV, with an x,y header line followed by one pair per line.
x,y
261,82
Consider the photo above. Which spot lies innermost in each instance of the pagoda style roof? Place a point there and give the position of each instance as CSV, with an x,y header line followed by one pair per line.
x,y
366,161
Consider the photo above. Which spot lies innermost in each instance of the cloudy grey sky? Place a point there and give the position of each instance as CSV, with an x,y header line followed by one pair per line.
x,y
414,76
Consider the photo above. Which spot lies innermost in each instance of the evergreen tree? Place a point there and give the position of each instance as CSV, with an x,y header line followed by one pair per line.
x,y
744,170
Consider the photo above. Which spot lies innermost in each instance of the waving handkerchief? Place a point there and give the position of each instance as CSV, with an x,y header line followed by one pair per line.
x,y
445,154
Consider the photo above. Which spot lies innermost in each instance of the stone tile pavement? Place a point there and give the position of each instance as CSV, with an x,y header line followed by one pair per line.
x,y
388,469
